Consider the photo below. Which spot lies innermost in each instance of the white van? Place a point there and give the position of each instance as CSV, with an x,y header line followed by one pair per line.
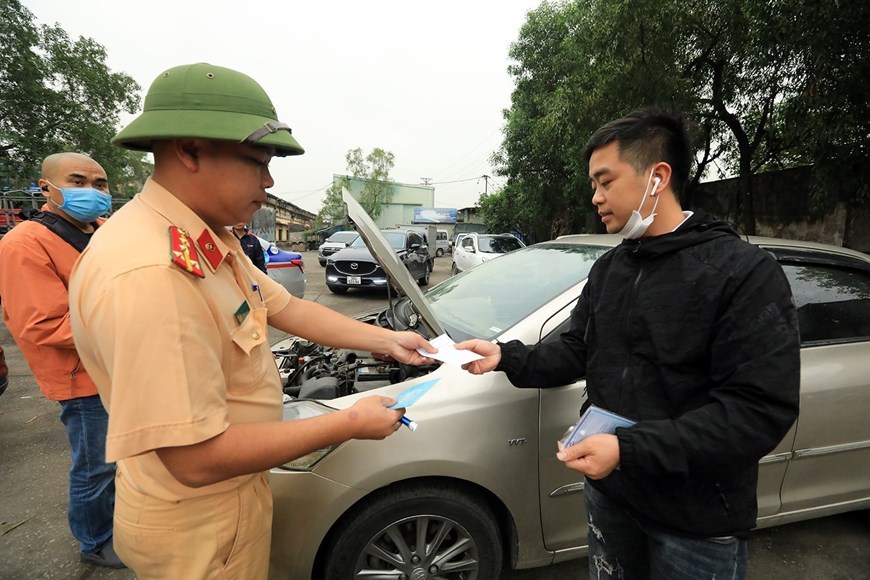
x,y
442,243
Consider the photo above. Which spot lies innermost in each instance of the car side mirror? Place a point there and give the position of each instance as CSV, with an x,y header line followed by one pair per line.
x,y
414,247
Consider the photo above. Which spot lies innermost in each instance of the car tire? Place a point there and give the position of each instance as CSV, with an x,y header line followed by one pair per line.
x,y
403,516
337,289
439,252
454,270
425,279
321,261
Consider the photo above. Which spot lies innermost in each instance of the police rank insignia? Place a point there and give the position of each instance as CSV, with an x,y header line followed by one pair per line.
x,y
183,251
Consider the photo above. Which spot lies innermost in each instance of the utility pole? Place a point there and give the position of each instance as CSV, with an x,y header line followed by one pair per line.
x,y
485,184
426,180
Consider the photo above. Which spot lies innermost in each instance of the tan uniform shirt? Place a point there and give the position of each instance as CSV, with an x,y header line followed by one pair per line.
x,y
176,357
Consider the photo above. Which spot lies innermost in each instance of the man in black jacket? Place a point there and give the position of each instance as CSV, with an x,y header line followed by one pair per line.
x,y
250,245
690,332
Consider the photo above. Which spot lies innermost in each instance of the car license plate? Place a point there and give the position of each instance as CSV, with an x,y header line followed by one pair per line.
x,y
354,280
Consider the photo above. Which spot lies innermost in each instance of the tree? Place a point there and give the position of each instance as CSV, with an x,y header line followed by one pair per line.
x,y
374,170
332,211
771,84
742,57
504,212
578,65
57,94
827,124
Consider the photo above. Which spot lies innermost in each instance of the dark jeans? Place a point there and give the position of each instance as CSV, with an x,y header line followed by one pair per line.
x,y
91,479
622,547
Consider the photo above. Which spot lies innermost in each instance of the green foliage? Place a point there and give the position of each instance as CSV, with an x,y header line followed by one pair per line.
x,y
57,94
332,211
578,65
827,124
770,84
374,170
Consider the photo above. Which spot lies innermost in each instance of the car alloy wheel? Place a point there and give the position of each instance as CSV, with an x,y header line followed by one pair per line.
x,y
420,532
425,279
439,252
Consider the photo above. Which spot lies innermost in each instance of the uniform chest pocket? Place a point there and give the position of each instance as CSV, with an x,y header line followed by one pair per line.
x,y
250,354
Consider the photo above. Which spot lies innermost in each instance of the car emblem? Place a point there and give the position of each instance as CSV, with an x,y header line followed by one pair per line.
x,y
354,265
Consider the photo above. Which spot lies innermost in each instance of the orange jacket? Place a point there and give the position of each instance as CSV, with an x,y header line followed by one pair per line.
x,y
35,265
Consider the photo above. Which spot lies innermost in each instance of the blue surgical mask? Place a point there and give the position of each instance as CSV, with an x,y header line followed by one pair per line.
x,y
83,203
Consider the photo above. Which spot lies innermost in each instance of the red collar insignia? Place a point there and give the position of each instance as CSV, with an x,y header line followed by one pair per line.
x,y
209,249
183,252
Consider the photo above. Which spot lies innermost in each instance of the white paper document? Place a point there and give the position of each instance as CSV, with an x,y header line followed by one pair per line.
x,y
447,353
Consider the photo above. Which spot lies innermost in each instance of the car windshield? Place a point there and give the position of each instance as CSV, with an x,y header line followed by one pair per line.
x,y
343,237
498,245
488,299
395,239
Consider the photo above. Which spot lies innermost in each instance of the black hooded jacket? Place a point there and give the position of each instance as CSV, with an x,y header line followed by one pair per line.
x,y
693,335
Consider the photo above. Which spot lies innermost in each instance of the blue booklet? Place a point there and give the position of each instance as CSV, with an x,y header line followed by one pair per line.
x,y
410,395
595,420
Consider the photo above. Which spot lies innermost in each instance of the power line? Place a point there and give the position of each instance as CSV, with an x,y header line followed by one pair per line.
x,y
310,193
465,155
456,180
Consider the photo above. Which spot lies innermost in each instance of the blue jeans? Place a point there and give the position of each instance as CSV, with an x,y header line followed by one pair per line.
x,y
91,479
622,547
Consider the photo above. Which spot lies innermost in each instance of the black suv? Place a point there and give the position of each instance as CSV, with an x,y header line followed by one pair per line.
x,y
355,267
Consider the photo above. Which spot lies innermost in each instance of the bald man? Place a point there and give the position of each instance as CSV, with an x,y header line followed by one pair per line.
x,y
36,258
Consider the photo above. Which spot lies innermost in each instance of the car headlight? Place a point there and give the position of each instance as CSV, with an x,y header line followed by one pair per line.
x,y
297,410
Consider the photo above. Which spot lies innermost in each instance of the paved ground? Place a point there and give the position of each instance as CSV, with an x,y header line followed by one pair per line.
x,y
35,541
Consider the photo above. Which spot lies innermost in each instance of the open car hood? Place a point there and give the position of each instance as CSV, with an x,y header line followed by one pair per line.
x,y
386,257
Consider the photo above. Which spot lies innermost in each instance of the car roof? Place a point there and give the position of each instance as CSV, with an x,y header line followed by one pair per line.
x,y
612,240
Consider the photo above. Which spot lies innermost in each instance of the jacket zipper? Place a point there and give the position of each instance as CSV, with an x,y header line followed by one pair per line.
x,y
627,334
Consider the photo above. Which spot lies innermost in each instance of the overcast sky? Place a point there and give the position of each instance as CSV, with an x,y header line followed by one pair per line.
x,y
426,81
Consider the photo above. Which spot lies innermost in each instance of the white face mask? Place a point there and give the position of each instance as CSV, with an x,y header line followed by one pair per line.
x,y
637,226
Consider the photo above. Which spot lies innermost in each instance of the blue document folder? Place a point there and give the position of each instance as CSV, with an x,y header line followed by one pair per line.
x,y
595,420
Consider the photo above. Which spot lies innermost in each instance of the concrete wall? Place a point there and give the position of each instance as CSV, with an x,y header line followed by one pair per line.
x,y
783,209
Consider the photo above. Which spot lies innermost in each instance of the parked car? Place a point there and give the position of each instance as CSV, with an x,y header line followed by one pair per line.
x,y
477,486
354,266
454,241
286,268
475,249
442,244
335,242
4,372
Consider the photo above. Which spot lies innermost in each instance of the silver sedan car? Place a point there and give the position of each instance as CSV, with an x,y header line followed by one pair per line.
x,y
477,487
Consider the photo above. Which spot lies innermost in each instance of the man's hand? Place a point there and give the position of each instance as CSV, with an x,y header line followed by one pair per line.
x,y
371,419
596,456
403,348
490,351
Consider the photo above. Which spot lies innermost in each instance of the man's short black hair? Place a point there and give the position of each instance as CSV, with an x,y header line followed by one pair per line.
x,y
647,136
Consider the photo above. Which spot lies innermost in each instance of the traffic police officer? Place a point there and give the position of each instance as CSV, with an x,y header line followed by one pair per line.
x,y
170,318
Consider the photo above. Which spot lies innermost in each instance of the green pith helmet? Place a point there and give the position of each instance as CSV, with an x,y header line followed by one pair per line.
x,y
209,102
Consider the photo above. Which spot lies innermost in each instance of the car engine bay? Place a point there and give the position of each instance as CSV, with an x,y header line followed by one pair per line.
x,y
312,371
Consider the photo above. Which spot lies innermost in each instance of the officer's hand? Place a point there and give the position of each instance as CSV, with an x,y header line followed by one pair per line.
x,y
372,419
490,351
404,348
596,456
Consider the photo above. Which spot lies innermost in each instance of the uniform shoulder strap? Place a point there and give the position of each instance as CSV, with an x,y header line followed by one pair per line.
x,y
64,230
